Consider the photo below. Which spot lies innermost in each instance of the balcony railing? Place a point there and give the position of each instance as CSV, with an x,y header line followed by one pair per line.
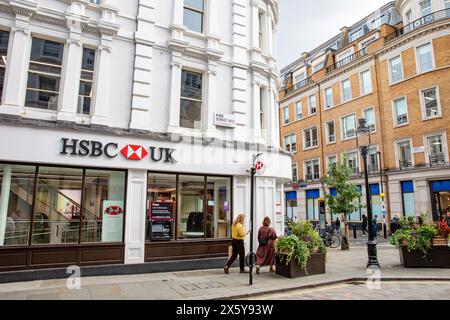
x,y
347,60
312,177
405,164
437,159
430,18
298,85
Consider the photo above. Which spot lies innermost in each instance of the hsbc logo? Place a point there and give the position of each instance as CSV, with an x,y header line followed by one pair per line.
x,y
132,152
96,149
114,211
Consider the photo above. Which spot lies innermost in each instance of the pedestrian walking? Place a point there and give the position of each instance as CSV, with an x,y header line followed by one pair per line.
x,y
238,234
375,226
337,225
265,254
395,223
364,224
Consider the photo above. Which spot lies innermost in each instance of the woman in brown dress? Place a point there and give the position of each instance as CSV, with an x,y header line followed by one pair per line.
x,y
265,255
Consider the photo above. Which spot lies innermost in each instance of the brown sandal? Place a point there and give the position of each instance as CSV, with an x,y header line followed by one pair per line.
x,y
226,270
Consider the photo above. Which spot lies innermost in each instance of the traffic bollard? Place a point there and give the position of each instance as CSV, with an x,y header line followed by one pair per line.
x,y
354,231
384,230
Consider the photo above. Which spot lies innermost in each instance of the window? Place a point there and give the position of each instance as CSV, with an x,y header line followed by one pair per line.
x,y
312,170
426,7
372,160
44,74
400,112
193,15
318,67
349,126
286,115
298,79
369,115
191,100
310,138
294,171
409,16
357,34
436,149
404,154
376,199
4,40
332,160
261,30
312,204
331,132
346,90
96,1
312,104
376,23
328,98
86,82
352,162
366,82
430,103
396,69
298,110
17,182
262,118
290,143
409,201
425,57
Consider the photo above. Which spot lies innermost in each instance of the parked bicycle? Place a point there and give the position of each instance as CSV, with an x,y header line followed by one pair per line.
x,y
330,239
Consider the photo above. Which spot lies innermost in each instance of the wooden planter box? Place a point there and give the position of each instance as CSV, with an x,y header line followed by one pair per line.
x,y
437,257
315,265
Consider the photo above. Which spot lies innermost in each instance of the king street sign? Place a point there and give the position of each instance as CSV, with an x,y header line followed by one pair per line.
x,y
86,148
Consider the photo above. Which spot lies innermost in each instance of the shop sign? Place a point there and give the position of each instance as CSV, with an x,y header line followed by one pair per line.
x,y
161,210
95,149
112,221
224,120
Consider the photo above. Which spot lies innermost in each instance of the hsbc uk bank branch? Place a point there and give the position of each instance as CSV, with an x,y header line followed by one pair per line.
x,y
83,198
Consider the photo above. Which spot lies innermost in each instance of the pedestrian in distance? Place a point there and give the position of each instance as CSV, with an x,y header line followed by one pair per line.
x,y
265,254
337,225
375,226
395,223
364,224
238,234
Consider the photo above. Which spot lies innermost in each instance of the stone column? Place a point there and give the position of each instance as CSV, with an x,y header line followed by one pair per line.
x,y
272,134
175,93
4,201
16,75
102,85
256,109
210,105
255,24
135,224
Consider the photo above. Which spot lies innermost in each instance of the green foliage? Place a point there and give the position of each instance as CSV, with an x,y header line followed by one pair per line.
x,y
418,237
347,194
291,247
304,230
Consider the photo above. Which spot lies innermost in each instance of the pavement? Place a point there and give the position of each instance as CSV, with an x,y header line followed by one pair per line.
x,y
342,267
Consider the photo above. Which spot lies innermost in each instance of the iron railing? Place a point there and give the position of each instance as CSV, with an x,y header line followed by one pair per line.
x,y
298,85
347,60
414,25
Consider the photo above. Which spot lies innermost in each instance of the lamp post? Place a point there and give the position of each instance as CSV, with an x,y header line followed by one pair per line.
x,y
371,243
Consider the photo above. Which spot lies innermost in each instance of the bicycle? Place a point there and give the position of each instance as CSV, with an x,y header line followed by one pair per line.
x,y
330,239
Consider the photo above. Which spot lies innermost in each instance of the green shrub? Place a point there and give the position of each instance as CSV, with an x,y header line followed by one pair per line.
x,y
291,247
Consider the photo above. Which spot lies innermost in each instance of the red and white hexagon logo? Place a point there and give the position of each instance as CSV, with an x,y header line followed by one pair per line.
x,y
114,210
132,152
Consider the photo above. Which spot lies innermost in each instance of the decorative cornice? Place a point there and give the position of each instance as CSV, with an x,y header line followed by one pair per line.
x,y
23,7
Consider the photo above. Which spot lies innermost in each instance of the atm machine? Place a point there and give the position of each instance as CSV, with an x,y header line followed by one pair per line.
x,y
161,218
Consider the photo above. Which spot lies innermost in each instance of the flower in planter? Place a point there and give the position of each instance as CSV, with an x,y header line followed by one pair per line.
x,y
443,228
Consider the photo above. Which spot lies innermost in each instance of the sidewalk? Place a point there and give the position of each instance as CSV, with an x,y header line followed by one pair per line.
x,y
342,266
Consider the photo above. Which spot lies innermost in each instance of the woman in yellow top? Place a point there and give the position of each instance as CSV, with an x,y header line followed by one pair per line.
x,y
238,234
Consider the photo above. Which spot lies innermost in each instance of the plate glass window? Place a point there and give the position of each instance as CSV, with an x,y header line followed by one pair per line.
x,y
425,57
346,90
369,115
409,201
401,111
426,7
396,69
4,40
191,207
328,97
191,100
349,126
44,74
311,140
193,15
366,80
298,110
429,98
86,82
404,154
218,207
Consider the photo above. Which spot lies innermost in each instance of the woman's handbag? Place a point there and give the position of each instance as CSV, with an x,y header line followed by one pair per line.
x,y
263,241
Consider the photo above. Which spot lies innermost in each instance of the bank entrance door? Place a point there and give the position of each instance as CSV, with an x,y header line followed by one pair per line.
x,y
441,199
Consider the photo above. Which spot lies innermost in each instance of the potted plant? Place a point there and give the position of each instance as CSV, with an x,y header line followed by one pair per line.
x,y
441,239
302,253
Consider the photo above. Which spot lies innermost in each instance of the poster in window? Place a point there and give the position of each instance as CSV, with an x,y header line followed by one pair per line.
x,y
113,213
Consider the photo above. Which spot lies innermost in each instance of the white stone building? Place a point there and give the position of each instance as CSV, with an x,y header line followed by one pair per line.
x,y
125,123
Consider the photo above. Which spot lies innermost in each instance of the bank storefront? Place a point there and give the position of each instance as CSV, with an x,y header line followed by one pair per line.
x,y
83,199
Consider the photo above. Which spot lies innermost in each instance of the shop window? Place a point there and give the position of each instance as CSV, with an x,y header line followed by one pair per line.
x,y
376,200
86,82
312,205
218,210
103,206
44,74
191,100
191,207
16,200
409,202
4,40
57,208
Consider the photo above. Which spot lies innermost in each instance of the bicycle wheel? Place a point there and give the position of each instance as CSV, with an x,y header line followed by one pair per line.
x,y
335,241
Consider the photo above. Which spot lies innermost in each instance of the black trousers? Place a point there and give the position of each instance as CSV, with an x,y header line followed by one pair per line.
x,y
238,249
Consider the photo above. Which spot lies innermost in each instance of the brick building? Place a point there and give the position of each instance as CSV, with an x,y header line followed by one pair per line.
x,y
392,69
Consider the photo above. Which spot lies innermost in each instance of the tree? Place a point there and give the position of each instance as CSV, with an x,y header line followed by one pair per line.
x,y
345,201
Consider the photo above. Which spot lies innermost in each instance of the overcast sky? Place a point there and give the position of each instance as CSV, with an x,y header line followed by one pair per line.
x,y
306,24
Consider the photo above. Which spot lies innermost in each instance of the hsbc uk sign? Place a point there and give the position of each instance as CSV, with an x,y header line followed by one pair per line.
x,y
96,149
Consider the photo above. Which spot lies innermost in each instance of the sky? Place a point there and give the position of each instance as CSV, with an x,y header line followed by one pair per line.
x,y
306,24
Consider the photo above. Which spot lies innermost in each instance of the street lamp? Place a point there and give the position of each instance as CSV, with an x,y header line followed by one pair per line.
x,y
371,243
